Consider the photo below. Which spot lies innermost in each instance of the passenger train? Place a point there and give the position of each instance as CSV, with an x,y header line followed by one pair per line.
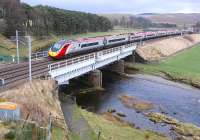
x,y
65,48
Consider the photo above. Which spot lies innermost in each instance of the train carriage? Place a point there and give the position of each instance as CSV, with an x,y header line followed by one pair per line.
x,y
65,48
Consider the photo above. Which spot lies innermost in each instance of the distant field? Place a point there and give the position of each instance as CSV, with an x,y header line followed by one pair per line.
x,y
185,66
179,18
8,47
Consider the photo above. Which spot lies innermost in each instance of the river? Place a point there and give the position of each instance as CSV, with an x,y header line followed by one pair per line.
x,y
177,100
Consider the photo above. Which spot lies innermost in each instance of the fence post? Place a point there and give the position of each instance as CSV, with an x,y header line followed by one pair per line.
x,y
17,45
29,48
49,128
99,134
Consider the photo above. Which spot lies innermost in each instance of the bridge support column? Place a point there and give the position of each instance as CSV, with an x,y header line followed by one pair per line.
x,y
95,78
117,66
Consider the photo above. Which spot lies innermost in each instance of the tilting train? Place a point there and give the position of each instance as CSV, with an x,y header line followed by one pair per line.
x,y
65,48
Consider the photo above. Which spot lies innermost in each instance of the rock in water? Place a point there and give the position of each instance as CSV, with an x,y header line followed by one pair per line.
x,y
185,131
133,102
120,114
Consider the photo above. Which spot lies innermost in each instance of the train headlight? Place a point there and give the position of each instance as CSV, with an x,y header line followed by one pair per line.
x,y
53,54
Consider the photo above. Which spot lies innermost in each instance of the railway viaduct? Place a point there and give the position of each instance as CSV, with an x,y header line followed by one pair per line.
x,y
91,64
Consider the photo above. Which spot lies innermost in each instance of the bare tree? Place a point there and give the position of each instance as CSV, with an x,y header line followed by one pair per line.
x,y
3,26
12,14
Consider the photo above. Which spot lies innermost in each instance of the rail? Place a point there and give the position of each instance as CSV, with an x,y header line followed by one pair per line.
x,y
39,55
71,61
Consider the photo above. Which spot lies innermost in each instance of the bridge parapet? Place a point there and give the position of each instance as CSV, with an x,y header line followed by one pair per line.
x,y
68,69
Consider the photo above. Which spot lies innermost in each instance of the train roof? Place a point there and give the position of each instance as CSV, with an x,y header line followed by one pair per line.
x,y
89,39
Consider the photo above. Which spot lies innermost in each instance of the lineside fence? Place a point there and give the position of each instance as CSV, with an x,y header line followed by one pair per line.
x,y
28,130
15,49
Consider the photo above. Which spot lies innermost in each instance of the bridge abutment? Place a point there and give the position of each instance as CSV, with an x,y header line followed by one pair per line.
x,y
95,78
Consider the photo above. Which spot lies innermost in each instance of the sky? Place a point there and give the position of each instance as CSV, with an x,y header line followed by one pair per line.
x,y
123,6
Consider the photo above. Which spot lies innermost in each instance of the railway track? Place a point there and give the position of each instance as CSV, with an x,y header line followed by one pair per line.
x,y
15,74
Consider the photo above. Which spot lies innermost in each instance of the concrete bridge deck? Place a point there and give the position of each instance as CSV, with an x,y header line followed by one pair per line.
x,y
68,69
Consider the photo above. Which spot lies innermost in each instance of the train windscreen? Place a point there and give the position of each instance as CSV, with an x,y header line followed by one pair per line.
x,y
57,46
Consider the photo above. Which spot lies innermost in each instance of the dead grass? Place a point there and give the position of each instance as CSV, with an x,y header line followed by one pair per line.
x,y
37,99
160,49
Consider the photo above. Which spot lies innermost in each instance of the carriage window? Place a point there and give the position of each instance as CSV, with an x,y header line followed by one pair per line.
x,y
89,44
116,40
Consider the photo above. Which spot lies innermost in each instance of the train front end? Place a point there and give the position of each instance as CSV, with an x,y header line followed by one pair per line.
x,y
59,50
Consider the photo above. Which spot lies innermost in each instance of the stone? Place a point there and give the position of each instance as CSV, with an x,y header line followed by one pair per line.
x,y
133,102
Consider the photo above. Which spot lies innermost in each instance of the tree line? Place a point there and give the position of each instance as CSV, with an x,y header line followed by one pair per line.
x,y
138,22
45,20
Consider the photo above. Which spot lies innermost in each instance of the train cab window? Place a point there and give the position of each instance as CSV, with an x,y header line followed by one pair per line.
x,y
89,44
57,46
117,40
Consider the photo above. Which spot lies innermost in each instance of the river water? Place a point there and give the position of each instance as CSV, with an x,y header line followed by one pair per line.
x,y
177,100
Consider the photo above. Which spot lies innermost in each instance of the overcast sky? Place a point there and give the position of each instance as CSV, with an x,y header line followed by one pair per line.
x,y
124,6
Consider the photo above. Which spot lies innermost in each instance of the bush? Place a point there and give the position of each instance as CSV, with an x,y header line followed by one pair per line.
x,y
10,135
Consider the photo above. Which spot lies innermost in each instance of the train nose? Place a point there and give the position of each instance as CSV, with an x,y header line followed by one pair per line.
x,y
52,54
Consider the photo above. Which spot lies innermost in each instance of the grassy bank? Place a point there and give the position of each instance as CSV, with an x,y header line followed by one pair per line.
x,y
87,125
113,129
184,67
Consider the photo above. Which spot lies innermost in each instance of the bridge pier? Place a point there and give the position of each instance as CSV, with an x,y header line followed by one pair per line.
x,y
117,66
95,78
131,58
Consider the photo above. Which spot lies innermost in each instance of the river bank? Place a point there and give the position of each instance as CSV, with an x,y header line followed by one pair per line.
x,y
184,67
138,93
175,59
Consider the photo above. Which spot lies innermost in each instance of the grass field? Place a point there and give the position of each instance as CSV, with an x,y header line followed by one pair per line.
x,y
184,67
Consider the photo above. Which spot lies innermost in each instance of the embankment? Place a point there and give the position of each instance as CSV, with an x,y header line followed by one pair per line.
x,y
36,100
158,50
182,67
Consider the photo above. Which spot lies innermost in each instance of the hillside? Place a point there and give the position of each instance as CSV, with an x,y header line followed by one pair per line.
x,y
113,16
179,18
47,20
6,46
136,21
